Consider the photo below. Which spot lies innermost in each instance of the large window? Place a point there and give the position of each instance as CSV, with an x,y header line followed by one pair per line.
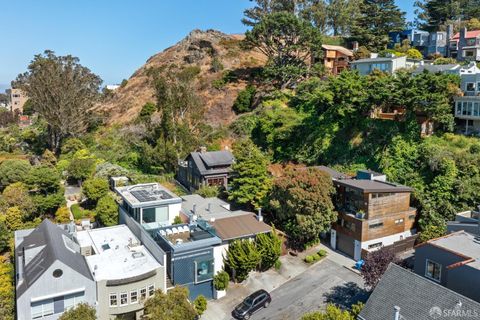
x,y
470,86
42,308
71,300
433,270
155,215
203,270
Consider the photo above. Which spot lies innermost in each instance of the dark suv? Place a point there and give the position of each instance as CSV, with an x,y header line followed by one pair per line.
x,y
257,300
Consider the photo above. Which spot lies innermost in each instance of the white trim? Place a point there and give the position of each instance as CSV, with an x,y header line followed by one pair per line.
x,y
426,270
110,300
130,297
120,299
58,294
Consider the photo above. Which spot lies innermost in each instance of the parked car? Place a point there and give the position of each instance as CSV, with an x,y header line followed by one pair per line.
x,y
257,300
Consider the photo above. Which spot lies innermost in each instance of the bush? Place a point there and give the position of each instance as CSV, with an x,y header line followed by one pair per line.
x,y
221,280
62,215
322,253
95,188
244,100
200,304
13,170
77,211
278,264
82,311
270,247
316,257
208,191
177,220
107,211
308,259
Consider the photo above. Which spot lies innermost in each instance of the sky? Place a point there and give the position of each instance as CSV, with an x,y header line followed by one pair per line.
x,y
111,37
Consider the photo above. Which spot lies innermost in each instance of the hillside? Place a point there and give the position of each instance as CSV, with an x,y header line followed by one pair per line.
x,y
199,48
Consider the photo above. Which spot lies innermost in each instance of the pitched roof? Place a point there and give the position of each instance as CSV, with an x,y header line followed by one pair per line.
x,y
239,226
470,34
417,297
49,243
341,49
207,162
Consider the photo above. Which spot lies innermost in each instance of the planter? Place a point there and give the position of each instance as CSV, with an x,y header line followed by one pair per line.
x,y
217,294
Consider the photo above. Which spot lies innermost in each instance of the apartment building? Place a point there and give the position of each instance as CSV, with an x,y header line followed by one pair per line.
x,y
467,106
465,45
17,100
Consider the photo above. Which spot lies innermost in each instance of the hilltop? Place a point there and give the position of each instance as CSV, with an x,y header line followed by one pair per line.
x,y
199,48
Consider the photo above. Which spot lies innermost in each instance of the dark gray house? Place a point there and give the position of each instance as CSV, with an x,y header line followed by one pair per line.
x,y
212,168
51,274
452,261
404,295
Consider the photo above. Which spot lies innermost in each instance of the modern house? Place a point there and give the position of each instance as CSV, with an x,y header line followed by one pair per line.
x,y
204,168
467,106
125,273
417,38
429,43
192,251
385,64
51,274
452,261
438,68
403,295
336,58
465,45
372,213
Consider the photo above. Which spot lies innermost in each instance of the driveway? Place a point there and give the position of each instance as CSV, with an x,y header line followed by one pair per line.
x,y
326,281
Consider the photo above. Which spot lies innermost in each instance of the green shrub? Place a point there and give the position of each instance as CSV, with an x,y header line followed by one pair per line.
x,y
244,100
177,220
221,280
200,304
95,188
316,257
322,253
208,191
308,259
77,211
278,264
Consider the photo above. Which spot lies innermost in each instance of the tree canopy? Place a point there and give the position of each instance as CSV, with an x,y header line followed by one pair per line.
x,y
81,312
173,305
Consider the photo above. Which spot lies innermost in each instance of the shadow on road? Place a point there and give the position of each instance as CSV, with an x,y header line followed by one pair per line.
x,y
346,294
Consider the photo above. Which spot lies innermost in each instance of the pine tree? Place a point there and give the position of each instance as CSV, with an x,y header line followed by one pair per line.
x,y
242,257
269,245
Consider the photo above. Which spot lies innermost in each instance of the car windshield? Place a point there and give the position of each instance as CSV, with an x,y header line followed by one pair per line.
x,y
248,301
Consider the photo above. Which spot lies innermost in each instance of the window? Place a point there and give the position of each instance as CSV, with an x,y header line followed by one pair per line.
x,y
399,221
42,308
203,270
71,300
143,293
471,42
433,270
375,225
113,300
459,108
349,225
134,296
411,217
470,86
151,290
57,273
123,299
375,245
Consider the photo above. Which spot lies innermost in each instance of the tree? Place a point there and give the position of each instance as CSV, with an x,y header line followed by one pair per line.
x,y
13,219
7,290
375,265
43,179
251,182
13,170
221,280
82,165
48,158
376,19
200,304
433,15
265,7
5,236
95,188
362,53
301,199
431,232
414,54
71,146
332,312
173,305
62,215
62,91
82,311
244,100
341,14
17,195
318,13
146,113
242,257
288,42
441,61
107,211
269,245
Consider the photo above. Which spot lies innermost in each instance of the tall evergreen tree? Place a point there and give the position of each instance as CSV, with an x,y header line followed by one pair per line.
x,y
340,15
265,7
242,257
376,19
433,15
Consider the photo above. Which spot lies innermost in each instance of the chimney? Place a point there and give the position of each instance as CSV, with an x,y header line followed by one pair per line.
x,y
463,33
396,313
355,46
259,216
203,149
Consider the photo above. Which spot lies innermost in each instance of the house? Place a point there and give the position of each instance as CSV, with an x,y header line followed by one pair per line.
x,y
204,168
467,106
51,275
436,44
438,68
452,261
336,58
468,221
416,38
428,43
403,295
372,213
17,100
385,64
465,45
193,250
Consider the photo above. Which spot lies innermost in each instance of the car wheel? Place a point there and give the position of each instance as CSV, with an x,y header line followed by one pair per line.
x,y
266,304
247,316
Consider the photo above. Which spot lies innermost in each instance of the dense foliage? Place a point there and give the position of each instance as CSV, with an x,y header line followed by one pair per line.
x,y
333,312
269,245
242,257
173,305
375,265
221,280
81,312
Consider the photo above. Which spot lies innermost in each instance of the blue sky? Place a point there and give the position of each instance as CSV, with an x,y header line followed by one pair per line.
x,y
111,37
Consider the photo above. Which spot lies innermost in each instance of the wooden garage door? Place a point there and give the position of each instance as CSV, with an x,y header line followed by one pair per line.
x,y
345,244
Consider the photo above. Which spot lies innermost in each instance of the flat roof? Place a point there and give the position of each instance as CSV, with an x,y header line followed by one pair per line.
x,y
373,185
117,253
463,243
207,208
379,59
333,173
147,194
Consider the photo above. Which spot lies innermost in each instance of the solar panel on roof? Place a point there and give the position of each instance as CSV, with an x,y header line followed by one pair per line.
x,y
150,195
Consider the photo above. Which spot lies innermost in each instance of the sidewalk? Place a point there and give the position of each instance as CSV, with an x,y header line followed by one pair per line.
x,y
339,258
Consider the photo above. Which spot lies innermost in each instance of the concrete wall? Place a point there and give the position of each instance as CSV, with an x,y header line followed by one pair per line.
x,y
104,311
48,286
465,280
218,253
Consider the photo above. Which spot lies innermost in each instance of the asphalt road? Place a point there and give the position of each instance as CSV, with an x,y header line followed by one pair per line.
x,y
326,282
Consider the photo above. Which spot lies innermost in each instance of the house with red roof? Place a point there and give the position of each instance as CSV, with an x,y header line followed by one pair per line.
x,y
465,45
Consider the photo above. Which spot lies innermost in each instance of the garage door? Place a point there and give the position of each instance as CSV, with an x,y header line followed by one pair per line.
x,y
345,244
